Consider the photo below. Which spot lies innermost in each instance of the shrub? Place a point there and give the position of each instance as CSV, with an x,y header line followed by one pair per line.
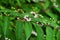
x,y
29,20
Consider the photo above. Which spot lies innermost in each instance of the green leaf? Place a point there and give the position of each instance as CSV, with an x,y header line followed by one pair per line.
x,y
5,25
49,33
40,34
57,8
29,0
51,14
28,29
18,1
58,35
32,38
6,32
57,5
47,4
19,30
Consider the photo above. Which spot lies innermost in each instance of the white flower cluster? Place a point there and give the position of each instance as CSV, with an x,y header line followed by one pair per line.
x,y
7,38
26,17
34,13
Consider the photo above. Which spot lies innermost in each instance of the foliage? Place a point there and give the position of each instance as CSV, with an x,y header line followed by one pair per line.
x,y
29,20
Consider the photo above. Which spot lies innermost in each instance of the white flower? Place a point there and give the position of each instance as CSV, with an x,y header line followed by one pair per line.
x,y
6,38
37,22
53,0
35,0
42,0
9,39
38,0
17,17
32,12
55,5
33,32
50,18
44,35
26,17
12,8
18,9
36,16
